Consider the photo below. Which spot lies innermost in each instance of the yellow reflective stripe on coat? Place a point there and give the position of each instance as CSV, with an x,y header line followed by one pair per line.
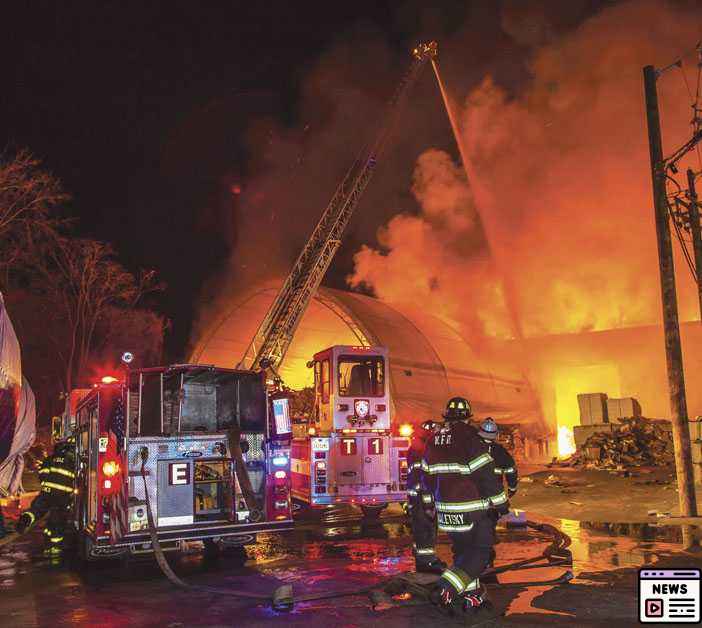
x,y
58,487
500,498
423,551
471,506
473,585
411,492
455,580
427,499
32,515
444,527
457,467
61,471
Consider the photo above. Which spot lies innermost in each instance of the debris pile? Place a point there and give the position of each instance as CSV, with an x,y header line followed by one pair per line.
x,y
634,442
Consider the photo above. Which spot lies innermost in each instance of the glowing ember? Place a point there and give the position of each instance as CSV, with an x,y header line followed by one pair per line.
x,y
566,442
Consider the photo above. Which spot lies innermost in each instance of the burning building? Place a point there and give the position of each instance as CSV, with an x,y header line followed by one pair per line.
x,y
429,360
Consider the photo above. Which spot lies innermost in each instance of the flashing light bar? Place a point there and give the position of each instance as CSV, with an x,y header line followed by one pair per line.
x,y
280,461
406,430
280,475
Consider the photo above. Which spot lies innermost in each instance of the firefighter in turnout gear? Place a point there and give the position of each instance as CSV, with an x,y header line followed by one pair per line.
x,y
57,482
460,473
421,505
505,467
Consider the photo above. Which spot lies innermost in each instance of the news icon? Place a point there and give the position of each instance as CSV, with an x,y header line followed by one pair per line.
x,y
669,596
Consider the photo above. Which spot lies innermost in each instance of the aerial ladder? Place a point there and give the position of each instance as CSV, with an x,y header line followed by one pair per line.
x,y
275,334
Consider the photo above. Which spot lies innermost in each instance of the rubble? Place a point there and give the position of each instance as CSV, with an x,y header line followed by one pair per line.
x,y
633,442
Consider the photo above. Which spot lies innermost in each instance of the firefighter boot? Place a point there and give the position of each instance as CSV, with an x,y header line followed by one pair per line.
x,y
476,606
446,599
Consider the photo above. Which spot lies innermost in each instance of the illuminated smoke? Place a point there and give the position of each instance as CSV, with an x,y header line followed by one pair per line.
x,y
560,177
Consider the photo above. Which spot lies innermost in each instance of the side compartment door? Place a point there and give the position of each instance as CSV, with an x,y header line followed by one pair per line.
x,y
348,454
376,459
175,492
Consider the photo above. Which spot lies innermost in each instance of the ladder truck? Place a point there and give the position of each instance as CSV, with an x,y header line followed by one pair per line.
x,y
350,453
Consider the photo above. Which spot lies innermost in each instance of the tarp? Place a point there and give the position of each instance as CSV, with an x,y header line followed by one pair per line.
x,y
24,435
10,382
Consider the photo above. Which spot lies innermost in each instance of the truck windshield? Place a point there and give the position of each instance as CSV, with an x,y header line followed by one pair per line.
x,y
361,376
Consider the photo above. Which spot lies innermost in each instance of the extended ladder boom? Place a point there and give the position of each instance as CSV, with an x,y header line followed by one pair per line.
x,y
276,332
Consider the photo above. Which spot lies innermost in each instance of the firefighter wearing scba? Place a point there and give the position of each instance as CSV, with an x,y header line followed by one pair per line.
x,y
57,487
505,467
460,473
422,514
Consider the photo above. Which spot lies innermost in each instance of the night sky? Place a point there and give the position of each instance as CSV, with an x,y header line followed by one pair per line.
x,y
142,110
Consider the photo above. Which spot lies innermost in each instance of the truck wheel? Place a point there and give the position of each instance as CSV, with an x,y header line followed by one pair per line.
x,y
372,512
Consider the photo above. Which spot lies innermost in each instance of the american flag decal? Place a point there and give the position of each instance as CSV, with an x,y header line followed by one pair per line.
x,y
117,423
119,509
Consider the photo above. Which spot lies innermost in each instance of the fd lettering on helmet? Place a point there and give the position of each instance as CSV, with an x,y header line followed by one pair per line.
x,y
178,473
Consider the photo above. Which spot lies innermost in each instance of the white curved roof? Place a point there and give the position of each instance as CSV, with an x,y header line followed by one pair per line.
x,y
429,361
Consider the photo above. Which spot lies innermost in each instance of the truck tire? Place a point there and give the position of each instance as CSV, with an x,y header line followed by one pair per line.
x,y
373,512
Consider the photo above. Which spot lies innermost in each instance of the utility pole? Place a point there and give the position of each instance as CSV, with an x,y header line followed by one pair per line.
x,y
673,350
694,214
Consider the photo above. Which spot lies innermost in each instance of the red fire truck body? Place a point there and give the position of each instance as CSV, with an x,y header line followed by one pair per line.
x,y
350,452
178,417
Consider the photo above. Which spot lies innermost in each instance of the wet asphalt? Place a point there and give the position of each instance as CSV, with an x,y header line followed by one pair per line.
x,y
341,553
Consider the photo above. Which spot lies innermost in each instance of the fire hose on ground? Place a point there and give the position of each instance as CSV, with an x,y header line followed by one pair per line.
x,y
282,597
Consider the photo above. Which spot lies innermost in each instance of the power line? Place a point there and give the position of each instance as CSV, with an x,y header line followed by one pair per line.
x,y
683,245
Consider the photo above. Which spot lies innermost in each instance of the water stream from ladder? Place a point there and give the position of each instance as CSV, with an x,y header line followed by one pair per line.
x,y
503,276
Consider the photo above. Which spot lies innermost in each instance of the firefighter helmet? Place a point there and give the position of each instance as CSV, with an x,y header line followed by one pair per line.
x,y
458,409
488,429
429,426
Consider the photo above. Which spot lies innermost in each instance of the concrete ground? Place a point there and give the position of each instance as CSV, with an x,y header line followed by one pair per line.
x,y
340,555
600,496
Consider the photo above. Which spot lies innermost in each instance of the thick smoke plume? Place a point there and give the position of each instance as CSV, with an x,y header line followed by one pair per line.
x,y
559,184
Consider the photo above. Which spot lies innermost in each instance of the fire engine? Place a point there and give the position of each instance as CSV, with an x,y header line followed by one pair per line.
x,y
177,421
351,452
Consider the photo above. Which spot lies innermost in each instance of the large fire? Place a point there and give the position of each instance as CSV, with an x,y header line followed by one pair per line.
x,y
551,209
566,441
